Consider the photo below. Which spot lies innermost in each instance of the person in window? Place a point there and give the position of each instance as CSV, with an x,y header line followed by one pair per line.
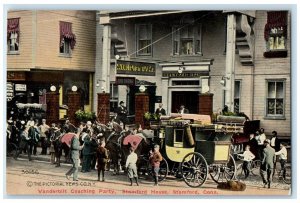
x,y
122,113
160,110
183,110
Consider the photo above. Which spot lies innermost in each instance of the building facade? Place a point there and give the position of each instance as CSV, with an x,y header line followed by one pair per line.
x,y
201,59
50,51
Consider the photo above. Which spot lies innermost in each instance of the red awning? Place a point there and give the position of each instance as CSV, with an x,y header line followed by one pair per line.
x,y
66,33
276,19
13,27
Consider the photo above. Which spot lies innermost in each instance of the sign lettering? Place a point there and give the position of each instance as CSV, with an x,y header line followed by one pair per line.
x,y
182,75
125,81
135,68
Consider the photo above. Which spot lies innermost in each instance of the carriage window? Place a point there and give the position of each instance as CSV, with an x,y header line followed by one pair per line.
x,y
178,137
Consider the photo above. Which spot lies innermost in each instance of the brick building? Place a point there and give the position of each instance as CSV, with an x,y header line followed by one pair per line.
x,y
202,59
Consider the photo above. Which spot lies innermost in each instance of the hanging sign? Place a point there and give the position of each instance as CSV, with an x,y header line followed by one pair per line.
x,y
9,91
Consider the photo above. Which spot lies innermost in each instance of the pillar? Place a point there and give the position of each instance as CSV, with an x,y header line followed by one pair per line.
x,y
141,107
52,112
103,107
230,61
74,104
105,76
205,104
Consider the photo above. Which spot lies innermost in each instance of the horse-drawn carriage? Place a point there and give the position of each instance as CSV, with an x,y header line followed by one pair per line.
x,y
196,148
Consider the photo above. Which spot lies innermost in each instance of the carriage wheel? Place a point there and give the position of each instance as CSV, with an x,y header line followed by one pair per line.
x,y
163,170
194,169
223,172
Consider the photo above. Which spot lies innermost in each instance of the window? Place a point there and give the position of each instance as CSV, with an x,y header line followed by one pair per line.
x,y
275,34
144,39
187,40
113,97
67,38
237,95
13,32
275,98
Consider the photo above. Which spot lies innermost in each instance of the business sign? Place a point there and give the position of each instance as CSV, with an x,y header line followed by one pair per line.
x,y
182,75
9,91
125,81
21,87
135,68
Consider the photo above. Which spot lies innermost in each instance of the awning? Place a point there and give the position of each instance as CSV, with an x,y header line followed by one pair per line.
x,y
66,33
13,27
276,19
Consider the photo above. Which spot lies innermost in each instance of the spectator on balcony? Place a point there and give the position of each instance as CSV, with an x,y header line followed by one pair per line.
x,y
122,113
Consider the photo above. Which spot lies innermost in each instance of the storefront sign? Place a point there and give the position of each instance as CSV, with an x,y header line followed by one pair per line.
x,y
135,68
9,91
125,81
16,76
182,75
21,87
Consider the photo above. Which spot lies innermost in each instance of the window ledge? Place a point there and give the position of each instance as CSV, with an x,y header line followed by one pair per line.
x,y
274,118
65,55
185,55
276,53
13,53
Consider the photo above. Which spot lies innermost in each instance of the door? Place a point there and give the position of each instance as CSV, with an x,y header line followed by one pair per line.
x,y
189,99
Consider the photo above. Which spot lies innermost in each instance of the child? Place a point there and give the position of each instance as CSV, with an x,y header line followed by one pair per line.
x,y
248,156
131,166
155,159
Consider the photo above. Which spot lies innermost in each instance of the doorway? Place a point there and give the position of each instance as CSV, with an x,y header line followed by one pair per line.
x,y
189,99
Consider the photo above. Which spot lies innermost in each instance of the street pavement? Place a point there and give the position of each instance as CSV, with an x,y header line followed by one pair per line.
x,y
39,177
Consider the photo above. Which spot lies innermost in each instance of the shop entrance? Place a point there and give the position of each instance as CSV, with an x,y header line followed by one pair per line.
x,y
189,99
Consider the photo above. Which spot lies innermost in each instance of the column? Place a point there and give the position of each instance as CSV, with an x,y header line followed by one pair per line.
x,y
52,113
141,107
105,76
103,107
74,104
230,61
205,104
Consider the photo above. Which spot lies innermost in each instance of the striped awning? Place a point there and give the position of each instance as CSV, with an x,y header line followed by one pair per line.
x,y
66,33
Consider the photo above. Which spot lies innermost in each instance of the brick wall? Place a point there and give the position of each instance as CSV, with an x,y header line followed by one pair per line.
x,y
73,104
103,107
205,104
52,101
141,107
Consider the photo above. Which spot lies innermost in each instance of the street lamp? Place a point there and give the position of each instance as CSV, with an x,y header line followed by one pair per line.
x,y
53,88
223,81
181,68
74,88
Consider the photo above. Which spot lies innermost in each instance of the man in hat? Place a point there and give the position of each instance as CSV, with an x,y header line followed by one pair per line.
x,y
122,113
155,159
267,164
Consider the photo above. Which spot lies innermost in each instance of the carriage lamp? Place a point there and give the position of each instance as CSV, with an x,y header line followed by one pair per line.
x,y
74,88
181,68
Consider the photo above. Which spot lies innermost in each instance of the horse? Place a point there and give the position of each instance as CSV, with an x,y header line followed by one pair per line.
x,y
59,147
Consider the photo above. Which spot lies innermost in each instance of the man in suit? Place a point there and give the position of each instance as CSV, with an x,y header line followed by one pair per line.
x,y
122,114
253,145
267,164
75,147
160,110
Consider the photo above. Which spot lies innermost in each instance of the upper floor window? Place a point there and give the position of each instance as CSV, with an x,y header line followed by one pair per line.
x,y
187,40
144,39
13,33
237,96
67,38
275,98
276,34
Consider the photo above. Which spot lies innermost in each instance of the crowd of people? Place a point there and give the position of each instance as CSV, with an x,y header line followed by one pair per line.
x,y
265,150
